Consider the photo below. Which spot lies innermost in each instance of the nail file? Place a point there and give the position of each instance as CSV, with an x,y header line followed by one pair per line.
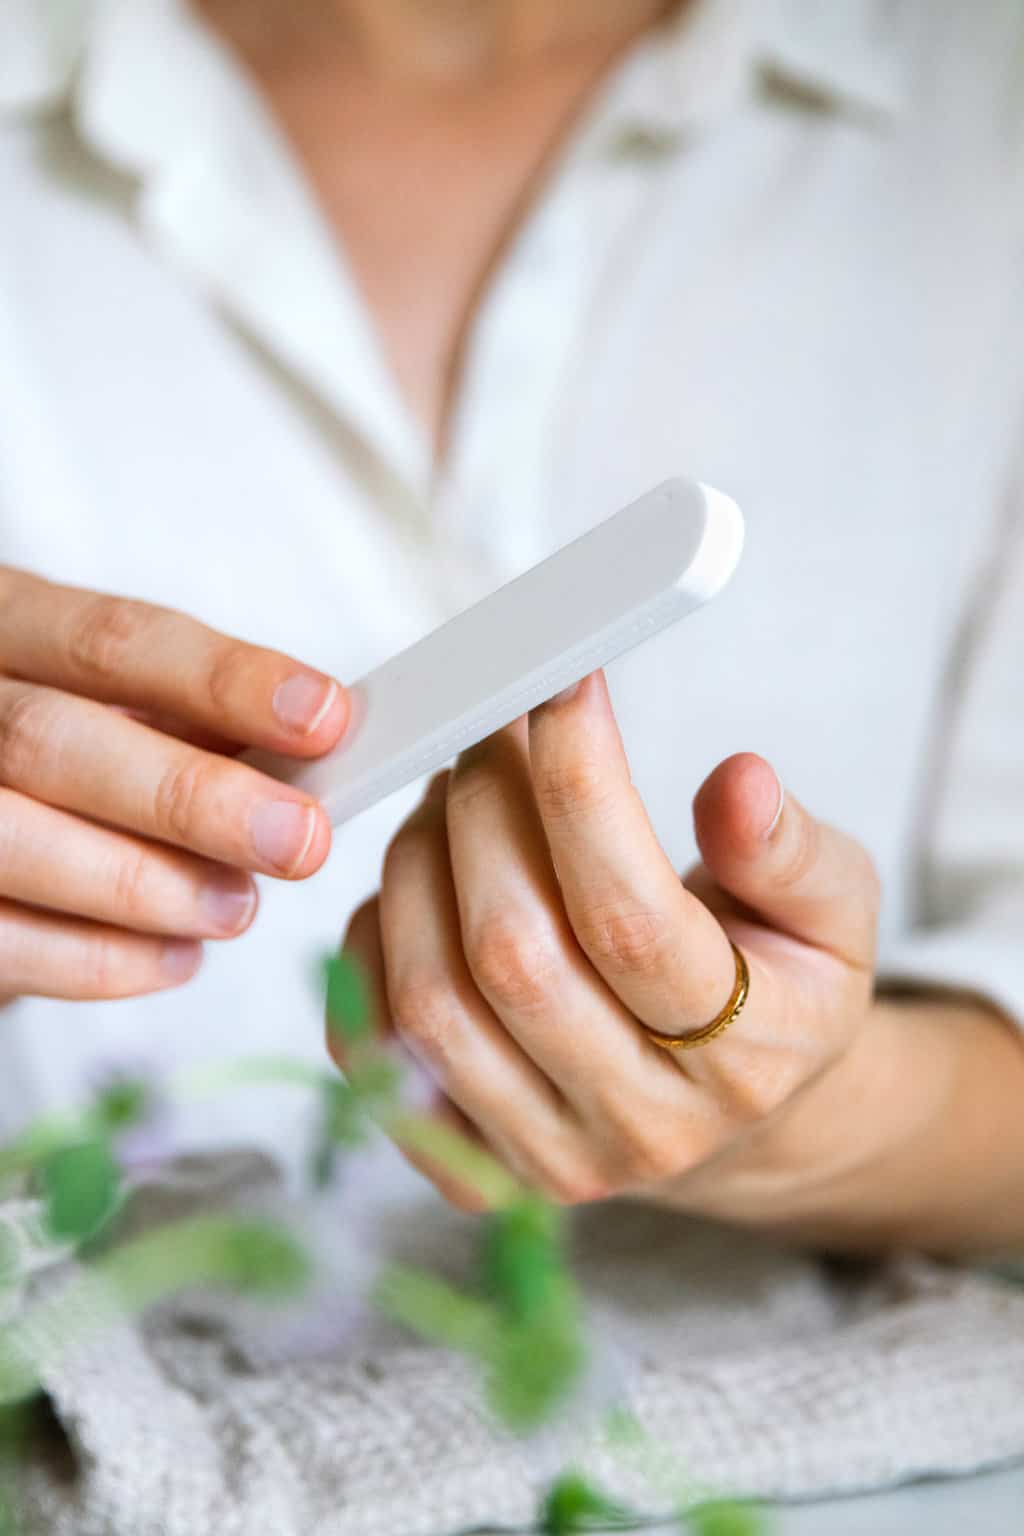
x,y
645,567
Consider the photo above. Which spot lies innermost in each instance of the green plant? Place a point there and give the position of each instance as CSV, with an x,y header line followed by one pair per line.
x,y
522,1321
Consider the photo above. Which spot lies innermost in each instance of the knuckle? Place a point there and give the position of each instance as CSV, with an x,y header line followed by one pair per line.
x,y
646,1147
752,1097
563,789
105,973
105,633
133,885
628,941
229,671
26,734
426,1016
514,959
180,796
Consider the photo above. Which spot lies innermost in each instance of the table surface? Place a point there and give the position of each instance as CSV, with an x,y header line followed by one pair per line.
x,y
989,1505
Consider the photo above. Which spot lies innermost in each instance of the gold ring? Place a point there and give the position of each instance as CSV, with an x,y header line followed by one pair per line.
x,y
719,1024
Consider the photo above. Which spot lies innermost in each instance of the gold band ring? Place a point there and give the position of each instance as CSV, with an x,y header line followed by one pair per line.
x,y
719,1024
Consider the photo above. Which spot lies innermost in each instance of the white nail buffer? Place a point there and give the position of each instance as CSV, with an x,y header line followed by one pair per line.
x,y
631,576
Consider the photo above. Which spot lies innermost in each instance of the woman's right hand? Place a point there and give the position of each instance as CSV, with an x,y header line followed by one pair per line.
x,y
127,832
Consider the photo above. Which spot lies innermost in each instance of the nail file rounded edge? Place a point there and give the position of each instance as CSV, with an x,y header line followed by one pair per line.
x,y
657,560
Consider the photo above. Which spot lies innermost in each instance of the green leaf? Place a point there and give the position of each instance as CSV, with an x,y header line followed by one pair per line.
x,y
534,1367
348,999
263,1260
81,1184
122,1104
375,1079
436,1310
251,1256
254,1257
342,1123
344,1117
522,1261
538,1352
724,1518
572,1504
461,1157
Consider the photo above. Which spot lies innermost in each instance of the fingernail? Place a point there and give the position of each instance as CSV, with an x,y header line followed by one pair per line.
x,y
773,825
281,832
301,702
227,901
180,959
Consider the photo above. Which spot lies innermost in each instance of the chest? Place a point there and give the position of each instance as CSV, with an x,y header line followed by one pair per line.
x,y
423,191
761,314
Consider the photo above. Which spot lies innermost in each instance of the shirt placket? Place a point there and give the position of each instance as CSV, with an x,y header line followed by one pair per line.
x,y
488,505
223,198
492,513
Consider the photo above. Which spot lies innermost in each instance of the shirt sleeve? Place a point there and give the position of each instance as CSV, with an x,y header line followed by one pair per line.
x,y
970,932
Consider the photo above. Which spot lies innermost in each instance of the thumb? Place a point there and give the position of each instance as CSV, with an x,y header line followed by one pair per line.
x,y
796,873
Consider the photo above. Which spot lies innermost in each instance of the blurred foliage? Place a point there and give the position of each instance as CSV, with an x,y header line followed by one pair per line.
x,y
81,1186
538,1352
522,1322
122,1103
349,1015
724,1518
572,1504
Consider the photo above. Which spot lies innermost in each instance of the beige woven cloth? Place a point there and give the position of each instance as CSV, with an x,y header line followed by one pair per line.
x,y
757,1370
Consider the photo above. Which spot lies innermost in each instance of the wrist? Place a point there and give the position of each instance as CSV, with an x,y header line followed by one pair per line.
x,y
915,1137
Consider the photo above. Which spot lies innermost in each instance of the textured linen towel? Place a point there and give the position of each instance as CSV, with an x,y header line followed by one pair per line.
x,y
760,1370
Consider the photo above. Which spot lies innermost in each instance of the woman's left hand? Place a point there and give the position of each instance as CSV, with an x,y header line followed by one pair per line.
x,y
529,927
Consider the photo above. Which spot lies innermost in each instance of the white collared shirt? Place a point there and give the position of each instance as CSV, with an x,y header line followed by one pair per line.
x,y
782,253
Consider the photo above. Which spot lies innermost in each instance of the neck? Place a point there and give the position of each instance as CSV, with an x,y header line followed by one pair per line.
x,y
432,42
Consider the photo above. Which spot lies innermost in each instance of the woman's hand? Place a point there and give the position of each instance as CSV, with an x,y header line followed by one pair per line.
x,y
127,833
529,926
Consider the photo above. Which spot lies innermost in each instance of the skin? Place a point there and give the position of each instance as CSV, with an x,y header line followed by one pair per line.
x,y
529,927
458,108
127,833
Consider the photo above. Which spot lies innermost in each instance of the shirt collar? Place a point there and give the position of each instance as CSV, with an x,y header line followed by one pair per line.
x,y
41,42
154,94
845,51
844,54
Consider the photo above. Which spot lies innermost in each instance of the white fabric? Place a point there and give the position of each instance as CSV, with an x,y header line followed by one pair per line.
x,y
782,252
753,1370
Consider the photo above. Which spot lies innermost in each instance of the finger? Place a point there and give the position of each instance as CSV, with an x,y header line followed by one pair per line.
x,y
363,942
53,860
62,957
659,949
184,730
84,757
433,1002
126,652
446,1024
519,946
797,874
